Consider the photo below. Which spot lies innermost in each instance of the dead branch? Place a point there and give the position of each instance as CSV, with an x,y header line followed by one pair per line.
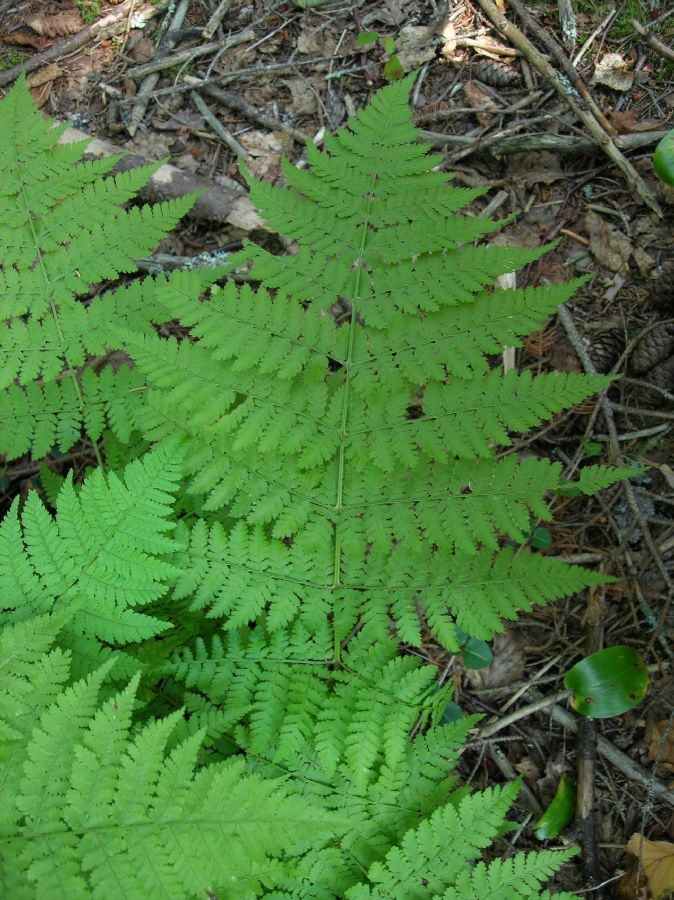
x,y
652,41
217,204
541,64
109,25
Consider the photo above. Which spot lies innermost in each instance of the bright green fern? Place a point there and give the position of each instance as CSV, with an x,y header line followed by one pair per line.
x,y
206,687
370,447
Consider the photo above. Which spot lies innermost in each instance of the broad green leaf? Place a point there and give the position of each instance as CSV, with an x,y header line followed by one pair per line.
x,y
541,538
393,70
607,683
663,158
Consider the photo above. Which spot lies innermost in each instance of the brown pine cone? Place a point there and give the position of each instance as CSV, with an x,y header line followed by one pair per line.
x,y
606,348
662,375
495,73
662,286
652,349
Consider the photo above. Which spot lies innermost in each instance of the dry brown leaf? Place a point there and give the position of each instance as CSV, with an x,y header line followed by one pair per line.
x,y
609,246
507,666
657,861
143,50
661,747
415,45
623,120
41,93
45,75
57,25
481,101
264,150
24,37
613,71
535,168
304,95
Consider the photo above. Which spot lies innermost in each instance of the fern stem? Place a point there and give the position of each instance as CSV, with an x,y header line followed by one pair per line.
x,y
343,432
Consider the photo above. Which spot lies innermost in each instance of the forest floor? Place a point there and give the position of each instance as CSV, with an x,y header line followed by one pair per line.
x,y
558,114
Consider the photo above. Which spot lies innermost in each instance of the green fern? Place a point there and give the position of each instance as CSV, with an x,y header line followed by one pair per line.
x,y
209,693
97,808
104,550
63,227
372,447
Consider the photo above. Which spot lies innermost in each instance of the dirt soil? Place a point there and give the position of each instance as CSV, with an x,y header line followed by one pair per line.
x,y
558,113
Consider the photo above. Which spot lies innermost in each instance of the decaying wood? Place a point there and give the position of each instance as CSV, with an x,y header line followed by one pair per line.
x,y
555,143
216,205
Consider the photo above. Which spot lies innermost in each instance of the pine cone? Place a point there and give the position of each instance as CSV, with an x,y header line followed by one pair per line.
x,y
652,349
495,73
606,349
662,375
662,286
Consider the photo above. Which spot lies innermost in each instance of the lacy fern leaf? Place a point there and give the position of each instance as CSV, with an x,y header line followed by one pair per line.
x,y
373,437
105,550
63,227
105,810
212,694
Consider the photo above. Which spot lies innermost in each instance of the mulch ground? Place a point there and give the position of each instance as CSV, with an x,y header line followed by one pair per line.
x,y
558,113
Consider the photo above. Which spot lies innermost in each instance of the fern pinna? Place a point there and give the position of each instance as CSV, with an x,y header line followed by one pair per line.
x,y
204,684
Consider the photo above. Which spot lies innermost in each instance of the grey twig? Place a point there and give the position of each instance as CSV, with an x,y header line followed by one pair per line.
x,y
575,101
214,22
108,25
216,125
150,81
237,102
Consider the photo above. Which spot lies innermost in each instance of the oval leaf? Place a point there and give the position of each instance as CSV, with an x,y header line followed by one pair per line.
x,y
393,69
477,654
663,158
541,538
560,812
607,683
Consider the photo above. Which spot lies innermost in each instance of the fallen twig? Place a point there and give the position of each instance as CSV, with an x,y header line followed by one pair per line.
x,y
191,53
542,65
110,24
653,42
214,22
555,143
564,62
237,102
166,40
216,125
620,760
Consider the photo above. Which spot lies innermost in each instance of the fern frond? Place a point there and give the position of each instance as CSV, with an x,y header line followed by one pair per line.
x,y
63,227
105,550
517,878
281,691
38,418
103,810
374,441
431,857
595,478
